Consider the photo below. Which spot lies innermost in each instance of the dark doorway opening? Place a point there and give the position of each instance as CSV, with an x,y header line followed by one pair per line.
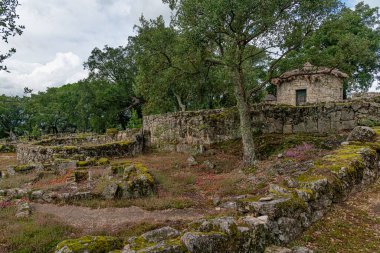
x,y
301,97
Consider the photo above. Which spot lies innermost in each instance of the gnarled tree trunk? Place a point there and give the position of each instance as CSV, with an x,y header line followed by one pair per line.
x,y
249,157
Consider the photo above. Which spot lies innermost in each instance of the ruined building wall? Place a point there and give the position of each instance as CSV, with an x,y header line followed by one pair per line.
x,y
186,131
320,88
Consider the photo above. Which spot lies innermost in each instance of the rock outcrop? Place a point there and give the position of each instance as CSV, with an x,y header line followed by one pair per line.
x,y
91,244
363,134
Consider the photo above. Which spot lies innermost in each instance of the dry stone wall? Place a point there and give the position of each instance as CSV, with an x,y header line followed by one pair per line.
x,y
191,131
185,131
38,153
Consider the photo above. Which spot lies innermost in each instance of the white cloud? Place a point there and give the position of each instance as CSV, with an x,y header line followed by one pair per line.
x,y
54,26
64,68
372,3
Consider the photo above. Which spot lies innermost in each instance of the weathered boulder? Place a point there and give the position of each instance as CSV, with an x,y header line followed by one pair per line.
x,y
198,242
37,195
170,246
191,161
362,134
137,182
162,240
128,181
90,244
24,210
160,234
110,191
11,170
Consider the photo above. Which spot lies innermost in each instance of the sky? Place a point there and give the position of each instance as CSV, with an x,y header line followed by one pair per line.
x,y
59,36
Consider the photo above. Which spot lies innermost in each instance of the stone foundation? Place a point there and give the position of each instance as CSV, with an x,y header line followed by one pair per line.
x,y
190,131
38,153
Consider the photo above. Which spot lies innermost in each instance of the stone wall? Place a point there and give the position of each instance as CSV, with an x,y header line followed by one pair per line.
x,y
319,88
86,138
363,95
190,131
34,153
184,131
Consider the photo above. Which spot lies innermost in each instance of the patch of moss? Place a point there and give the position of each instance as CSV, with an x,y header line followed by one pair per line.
x,y
291,205
103,161
222,115
139,243
250,199
86,163
69,148
93,244
112,131
24,168
377,130
309,177
368,122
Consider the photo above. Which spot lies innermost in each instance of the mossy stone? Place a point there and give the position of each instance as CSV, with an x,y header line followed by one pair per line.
x,y
90,244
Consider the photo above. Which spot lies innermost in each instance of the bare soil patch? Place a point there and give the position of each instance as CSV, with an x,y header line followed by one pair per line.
x,y
90,220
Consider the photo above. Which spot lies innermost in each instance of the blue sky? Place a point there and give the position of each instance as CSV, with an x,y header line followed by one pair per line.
x,y
60,35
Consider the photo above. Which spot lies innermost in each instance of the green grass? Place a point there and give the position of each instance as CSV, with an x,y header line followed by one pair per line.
x,y
344,229
39,233
273,144
16,181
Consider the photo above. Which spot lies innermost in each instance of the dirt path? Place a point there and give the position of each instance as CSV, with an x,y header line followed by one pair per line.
x,y
111,218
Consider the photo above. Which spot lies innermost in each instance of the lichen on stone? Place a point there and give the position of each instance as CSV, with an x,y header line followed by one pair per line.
x,y
93,244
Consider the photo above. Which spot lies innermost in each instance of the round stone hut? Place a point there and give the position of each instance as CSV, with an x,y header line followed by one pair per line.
x,y
309,85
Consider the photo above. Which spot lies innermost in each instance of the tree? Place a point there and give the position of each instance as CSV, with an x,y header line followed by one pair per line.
x,y
8,26
348,40
240,33
11,116
115,67
172,72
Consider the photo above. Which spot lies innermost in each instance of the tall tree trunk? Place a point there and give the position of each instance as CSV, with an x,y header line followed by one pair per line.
x,y
249,157
180,104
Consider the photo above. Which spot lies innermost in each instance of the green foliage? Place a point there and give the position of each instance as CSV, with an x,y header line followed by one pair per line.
x,y
8,27
368,122
172,72
134,121
12,116
348,40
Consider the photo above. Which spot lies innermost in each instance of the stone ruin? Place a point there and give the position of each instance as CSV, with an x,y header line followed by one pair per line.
x,y
274,219
310,84
81,145
83,160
